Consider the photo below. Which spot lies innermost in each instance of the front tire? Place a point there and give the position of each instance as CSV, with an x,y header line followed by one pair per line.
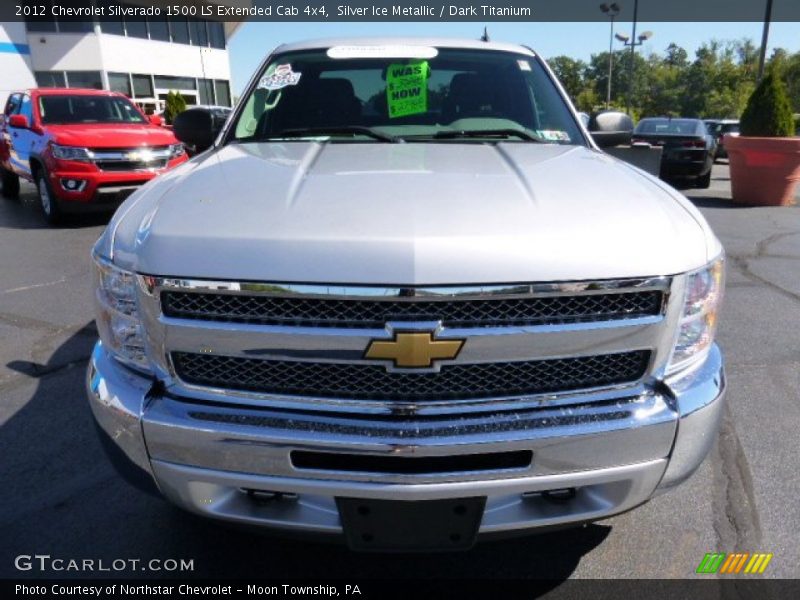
x,y
10,184
48,202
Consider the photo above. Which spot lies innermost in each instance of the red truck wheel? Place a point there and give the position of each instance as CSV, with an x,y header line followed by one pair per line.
x,y
48,202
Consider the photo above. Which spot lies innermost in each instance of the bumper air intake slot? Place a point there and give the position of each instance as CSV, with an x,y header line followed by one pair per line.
x,y
404,465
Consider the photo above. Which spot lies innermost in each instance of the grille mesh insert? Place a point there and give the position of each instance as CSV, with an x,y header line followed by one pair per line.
x,y
368,381
331,312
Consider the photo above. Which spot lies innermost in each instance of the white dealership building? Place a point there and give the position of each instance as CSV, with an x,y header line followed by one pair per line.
x,y
144,59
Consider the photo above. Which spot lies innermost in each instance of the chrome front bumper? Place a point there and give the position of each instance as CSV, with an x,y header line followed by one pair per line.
x,y
617,453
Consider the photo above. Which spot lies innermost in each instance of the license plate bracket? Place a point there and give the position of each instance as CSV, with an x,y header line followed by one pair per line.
x,y
410,526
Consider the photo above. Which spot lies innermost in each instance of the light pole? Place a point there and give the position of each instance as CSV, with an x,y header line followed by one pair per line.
x,y
762,55
633,41
612,10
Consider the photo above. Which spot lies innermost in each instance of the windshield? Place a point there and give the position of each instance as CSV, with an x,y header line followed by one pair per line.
x,y
452,94
87,109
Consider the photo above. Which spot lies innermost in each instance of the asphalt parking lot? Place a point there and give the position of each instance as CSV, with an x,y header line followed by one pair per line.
x,y
62,498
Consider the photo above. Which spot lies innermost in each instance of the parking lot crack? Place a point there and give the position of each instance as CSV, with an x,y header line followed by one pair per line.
x,y
736,521
742,264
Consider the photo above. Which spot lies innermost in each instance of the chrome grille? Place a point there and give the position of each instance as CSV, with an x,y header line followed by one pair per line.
x,y
130,165
374,382
369,313
126,159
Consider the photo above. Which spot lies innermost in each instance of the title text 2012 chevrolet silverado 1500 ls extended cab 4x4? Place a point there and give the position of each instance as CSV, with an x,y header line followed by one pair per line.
x,y
403,286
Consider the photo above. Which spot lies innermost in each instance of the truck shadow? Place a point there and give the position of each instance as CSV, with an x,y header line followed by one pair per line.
x,y
64,499
24,213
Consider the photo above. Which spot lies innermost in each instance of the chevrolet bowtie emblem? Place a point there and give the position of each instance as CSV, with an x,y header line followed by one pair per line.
x,y
413,350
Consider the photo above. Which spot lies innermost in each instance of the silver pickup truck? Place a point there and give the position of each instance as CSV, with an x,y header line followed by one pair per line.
x,y
402,297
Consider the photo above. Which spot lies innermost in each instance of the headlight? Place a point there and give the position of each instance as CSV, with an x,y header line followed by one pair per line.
x,y
698,323
71,152
176,150
117,313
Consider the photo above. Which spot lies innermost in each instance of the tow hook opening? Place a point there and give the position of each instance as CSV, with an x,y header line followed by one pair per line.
x,y
556,496
262,497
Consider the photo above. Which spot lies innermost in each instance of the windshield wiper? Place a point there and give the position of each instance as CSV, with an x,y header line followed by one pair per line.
x,y
335,130
487,133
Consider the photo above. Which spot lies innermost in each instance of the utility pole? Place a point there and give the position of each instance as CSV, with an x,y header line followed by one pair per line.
x,y
633,41
762,56
612,10
633,54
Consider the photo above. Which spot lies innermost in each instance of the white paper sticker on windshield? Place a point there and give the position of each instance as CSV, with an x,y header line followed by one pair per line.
x,y
279,76
553,135
389,51
524,65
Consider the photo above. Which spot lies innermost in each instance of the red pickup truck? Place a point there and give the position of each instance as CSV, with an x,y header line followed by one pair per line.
x,y
83,149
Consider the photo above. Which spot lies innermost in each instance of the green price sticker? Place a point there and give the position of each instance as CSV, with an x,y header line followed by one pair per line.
x,y
407,88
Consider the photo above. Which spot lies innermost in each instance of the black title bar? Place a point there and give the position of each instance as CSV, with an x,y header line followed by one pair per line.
x,y
483,11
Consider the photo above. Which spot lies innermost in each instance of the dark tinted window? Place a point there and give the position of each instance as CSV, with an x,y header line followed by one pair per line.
x,y
671,126
50,79
112,27
41,24
85,79
159,30
88,109
136,28
175,83
223,92
119,82
180,30
75,26
142,86
110,24
206,88
216,34
198,30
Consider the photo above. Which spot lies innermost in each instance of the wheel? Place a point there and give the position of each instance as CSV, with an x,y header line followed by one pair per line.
x,y
10,184
704,181
48,203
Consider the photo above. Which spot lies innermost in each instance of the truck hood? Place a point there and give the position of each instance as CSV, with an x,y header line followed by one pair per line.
x,y
111,136
414,214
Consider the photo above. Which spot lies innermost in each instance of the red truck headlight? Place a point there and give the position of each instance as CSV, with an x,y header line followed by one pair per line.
x,y
71,152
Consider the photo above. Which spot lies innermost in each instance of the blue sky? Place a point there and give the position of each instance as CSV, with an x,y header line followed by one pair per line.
x,y
580,40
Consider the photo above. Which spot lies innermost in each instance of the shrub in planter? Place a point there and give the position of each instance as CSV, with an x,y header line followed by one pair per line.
x,y
765,158
175,104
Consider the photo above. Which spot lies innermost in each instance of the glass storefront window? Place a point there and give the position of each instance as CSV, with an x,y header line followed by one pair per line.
x,y
119,82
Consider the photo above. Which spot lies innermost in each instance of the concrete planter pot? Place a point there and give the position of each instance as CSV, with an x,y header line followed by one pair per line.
x,y
764,171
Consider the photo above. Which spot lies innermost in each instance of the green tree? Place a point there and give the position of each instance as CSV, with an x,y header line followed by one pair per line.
x,y
571,74
768,112
788,65
175,105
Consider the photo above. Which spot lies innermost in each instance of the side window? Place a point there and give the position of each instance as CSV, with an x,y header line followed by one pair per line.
x,y
26,108
12,105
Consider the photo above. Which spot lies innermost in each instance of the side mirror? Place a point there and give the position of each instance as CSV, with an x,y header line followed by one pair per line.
x,y
156,120
18,122
196,127
611,128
